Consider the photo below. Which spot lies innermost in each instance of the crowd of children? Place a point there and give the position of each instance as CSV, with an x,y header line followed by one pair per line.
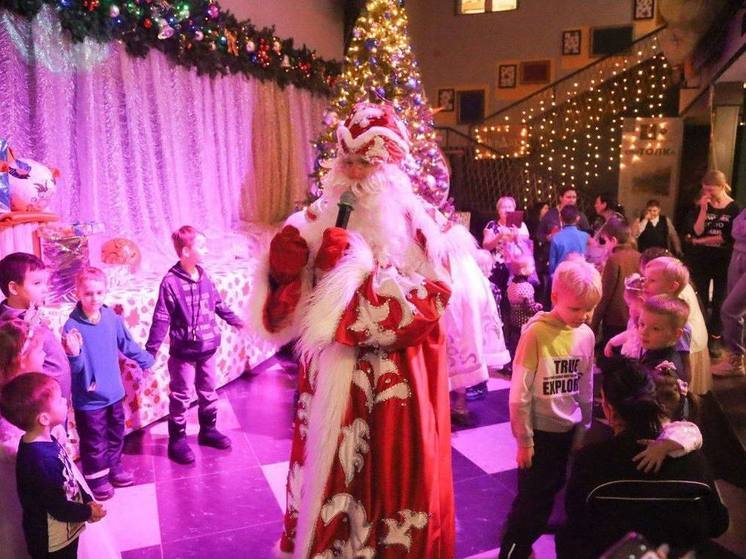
x,y
46,503
641,308
642,304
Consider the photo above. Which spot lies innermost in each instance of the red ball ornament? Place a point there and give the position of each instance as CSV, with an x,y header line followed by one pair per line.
x,y
148,23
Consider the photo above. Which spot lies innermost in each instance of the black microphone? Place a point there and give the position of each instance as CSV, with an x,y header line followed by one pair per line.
x,y
346,204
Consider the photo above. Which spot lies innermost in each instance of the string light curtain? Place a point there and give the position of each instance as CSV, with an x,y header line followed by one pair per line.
x,y
573,136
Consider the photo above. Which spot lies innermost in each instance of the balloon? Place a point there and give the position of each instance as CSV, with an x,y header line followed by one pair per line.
x,y
31,185
121,251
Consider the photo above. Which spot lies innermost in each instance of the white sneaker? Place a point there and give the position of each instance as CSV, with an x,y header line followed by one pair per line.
x,y
730,365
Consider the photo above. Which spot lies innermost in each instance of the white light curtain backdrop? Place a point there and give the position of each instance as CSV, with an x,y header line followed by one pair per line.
x,y
145,146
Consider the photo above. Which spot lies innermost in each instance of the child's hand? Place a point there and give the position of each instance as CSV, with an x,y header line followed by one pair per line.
x,y
651,459
665,366
72,342
609,350
524,456
97,511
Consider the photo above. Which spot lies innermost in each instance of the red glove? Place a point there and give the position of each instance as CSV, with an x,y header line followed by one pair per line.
x,y
288,254
333,245
280,305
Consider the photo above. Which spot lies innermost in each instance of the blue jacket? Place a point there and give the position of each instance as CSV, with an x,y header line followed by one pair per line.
x,y
567,241
96,378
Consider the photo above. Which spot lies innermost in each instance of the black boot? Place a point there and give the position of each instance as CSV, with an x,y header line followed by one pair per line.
x,y
209,435
178,448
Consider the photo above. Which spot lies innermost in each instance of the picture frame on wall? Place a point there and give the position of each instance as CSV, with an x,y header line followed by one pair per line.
x,y
470,106
643,9
571,42
506,76
536,72
447,100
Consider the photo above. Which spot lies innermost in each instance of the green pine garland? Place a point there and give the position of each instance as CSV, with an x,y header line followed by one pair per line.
x,y
193,33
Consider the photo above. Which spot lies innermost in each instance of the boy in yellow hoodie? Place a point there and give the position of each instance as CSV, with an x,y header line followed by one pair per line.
x,y
551,399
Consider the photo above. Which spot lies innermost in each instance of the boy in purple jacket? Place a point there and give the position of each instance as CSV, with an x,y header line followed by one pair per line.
x,y
187,304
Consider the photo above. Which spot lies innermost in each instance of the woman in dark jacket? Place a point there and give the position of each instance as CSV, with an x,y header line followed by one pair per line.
x,y
665,512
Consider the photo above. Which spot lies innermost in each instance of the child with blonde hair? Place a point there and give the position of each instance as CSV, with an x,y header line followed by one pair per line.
x,y
668,275
96,336
551,397
661,326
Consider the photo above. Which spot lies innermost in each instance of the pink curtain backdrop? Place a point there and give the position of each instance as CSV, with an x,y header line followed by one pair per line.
x,y
145,146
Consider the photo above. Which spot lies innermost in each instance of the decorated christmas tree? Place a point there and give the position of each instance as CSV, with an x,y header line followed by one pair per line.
x,y
379,66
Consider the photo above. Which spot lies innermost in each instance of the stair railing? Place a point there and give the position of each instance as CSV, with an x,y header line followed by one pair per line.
x,y
570,86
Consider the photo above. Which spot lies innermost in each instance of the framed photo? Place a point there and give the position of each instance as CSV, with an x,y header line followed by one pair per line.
x,y
644,9
470,106
536,72
447,100
611,40
571,42
506,76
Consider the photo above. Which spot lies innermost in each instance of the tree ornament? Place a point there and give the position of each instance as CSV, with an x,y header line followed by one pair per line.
x,y
331,118
166,31
250,46
148,23
277,46
114,10
198,35
285,62
213,11
232,47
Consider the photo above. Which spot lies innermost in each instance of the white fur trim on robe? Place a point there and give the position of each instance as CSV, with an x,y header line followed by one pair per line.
x,y
331,296
334,366
330,366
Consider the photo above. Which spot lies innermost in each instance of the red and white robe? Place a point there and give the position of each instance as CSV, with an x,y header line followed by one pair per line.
x,y
370,468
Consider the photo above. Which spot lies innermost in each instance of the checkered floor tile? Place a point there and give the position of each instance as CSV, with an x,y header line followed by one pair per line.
x,y
228,503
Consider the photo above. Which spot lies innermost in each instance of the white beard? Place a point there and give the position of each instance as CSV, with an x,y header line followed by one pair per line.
x,y
386,214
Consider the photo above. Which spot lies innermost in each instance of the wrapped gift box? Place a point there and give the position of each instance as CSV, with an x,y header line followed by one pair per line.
x,y
66,251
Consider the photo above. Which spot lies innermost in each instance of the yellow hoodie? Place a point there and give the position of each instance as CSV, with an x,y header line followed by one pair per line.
x,y
552,383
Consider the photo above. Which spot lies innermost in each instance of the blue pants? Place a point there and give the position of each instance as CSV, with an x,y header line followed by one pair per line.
x,y
101,440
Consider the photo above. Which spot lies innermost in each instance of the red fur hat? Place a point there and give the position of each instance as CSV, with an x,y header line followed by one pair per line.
x,y
375,133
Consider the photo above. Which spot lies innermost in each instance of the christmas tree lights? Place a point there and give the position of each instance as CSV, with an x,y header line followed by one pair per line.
x,y
380,66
